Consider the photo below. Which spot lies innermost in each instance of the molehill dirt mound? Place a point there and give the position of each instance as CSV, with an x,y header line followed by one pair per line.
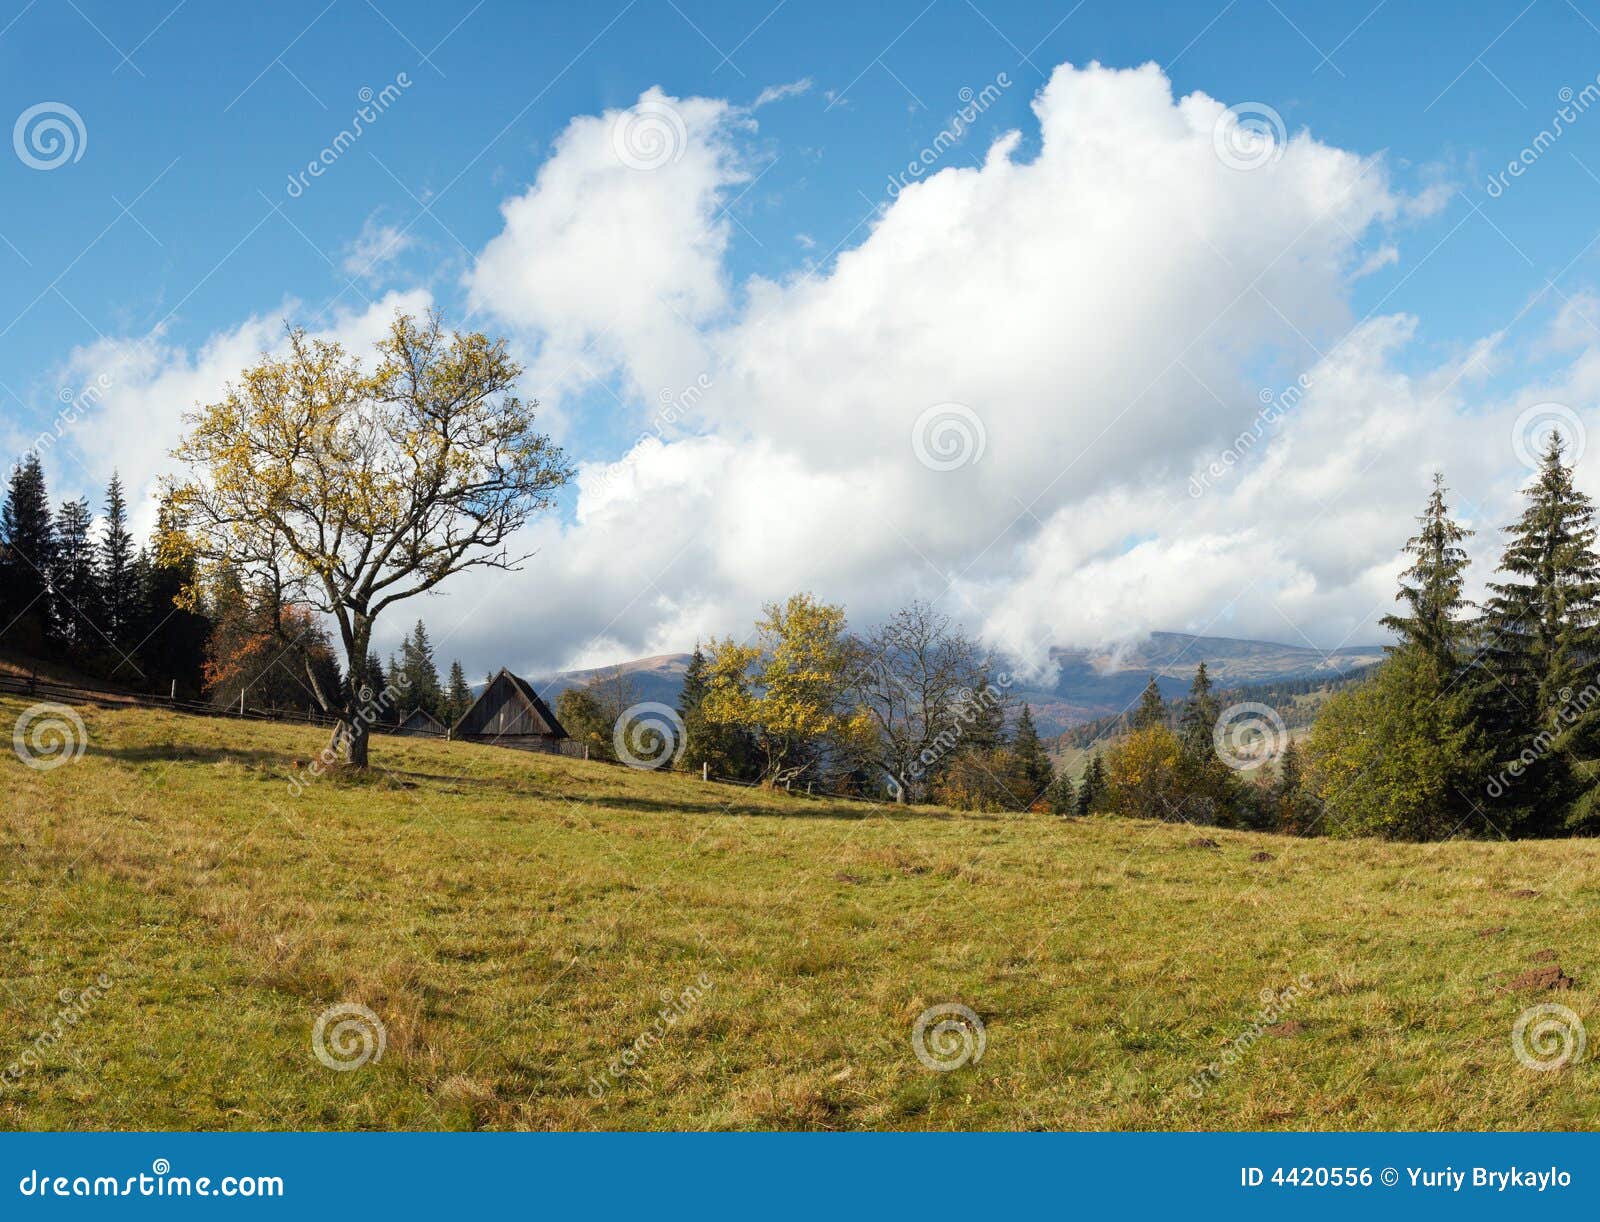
x,y
1538,979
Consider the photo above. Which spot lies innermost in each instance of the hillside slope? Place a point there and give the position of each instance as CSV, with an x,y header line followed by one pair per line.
x,y
516,923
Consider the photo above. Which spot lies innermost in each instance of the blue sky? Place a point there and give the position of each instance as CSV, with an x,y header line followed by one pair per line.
x,y
213,108
177,215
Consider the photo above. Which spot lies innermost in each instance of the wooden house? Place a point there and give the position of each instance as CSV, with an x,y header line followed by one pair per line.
x,y
509,713
420,723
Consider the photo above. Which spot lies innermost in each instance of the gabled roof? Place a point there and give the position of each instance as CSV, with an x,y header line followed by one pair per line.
x,y
524,691
422,718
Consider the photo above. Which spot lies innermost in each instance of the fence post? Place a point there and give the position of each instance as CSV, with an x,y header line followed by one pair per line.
x,y
241,702
174,696
705,770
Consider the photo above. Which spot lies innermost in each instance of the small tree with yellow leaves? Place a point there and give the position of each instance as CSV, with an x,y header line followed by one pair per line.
x,y
1143,774
351,488
790,688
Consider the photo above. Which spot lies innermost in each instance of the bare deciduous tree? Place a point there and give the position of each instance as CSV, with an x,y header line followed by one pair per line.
x,y
919,676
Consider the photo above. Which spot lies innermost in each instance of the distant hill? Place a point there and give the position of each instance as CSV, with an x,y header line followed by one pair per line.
x,y
1098,683
659,678
1298,702
1090,683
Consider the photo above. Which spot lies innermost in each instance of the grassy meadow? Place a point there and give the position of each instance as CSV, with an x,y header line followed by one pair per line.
x,y
515,921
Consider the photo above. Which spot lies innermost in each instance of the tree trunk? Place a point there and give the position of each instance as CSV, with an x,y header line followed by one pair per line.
x,y
356,744
357,711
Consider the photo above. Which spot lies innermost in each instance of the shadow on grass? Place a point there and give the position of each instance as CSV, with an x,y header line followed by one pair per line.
x,y
798,808
163,754
723,801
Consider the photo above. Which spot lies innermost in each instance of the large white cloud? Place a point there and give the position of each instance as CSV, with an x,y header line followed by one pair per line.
x,y
1100,315
1099,319
613,258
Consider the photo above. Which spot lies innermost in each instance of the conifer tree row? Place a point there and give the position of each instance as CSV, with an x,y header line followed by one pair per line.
x,y
1486,724
79,589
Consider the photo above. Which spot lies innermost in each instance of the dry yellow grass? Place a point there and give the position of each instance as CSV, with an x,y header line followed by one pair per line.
x,y
516,923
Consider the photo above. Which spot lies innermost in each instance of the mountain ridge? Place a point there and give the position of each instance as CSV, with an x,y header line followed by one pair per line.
x,y
1089,682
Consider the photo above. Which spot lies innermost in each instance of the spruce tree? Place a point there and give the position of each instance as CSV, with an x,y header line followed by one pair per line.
x,y
1536,637
1291,803
458,696
695,683
172,653
423,689
74,583
1208,790
986,729
1061,798
1152,710
28,538
1092,792
1431,587
376,678
1031,772
396,680
119,576
1199,721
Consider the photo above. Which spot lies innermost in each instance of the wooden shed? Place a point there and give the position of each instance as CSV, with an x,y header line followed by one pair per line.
x,y
509,713
420,723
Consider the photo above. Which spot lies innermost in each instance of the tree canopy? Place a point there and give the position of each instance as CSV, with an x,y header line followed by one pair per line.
x,y
349,488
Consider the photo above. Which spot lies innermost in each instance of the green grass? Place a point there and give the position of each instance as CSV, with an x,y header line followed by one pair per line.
x,y
514,920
